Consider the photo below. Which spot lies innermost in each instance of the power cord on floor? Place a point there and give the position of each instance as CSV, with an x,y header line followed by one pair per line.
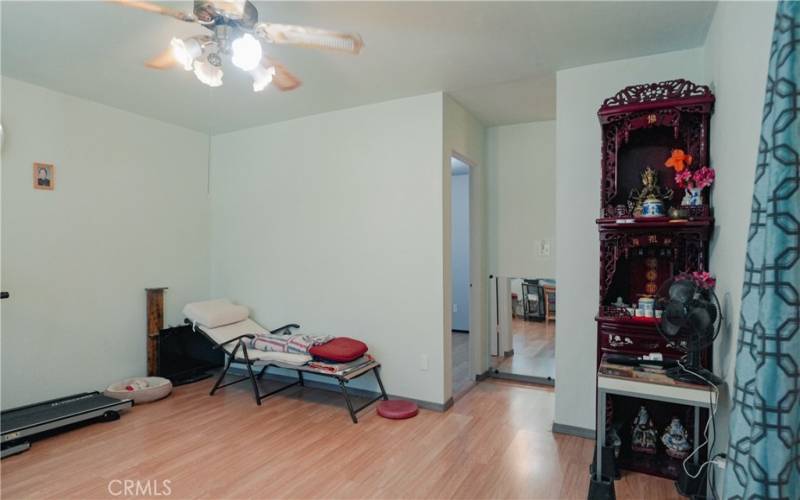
x,y
710,422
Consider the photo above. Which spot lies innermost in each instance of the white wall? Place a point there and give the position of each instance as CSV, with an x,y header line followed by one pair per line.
x,y
464,137
580,91
736,68
521,167
459,210
335,221
129,211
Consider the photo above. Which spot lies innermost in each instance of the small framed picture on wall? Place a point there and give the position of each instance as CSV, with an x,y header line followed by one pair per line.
x,y
44,176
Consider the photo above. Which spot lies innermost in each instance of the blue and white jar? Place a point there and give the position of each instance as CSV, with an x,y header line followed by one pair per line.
x,y
652,207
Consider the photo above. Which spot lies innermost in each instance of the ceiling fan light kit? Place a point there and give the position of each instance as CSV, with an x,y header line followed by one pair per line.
x,y
208,73
186,51
246,52
236,32
262,77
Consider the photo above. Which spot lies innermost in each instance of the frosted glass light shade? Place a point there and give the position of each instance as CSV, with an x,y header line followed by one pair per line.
x,y
208,73
262,77
186,51
246,52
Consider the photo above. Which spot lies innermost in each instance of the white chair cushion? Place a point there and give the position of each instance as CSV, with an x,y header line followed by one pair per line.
x,y
226,332
215,313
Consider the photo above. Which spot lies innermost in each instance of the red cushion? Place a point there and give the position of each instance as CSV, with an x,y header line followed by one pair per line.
x,y
397,409
340,349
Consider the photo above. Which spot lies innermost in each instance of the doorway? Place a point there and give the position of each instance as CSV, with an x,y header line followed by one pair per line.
x,y
524,343
460,259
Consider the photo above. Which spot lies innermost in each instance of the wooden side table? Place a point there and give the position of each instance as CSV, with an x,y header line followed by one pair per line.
x,y
626,381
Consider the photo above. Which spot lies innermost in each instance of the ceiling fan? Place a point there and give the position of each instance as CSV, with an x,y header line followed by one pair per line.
x,y
236,33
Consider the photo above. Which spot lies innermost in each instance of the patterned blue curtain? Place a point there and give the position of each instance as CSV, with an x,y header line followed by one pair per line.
x,y
764,448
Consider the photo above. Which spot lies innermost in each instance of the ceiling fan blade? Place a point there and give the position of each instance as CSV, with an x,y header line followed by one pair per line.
x,y
301,36
157,9
284,80
164,60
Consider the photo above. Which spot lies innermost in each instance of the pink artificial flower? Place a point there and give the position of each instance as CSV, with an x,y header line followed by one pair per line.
x,y
683,179
704,177
703,279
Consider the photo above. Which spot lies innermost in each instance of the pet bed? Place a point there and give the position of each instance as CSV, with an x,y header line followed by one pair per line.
x,y
140,389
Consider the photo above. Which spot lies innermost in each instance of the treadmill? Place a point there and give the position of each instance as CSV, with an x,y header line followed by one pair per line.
x,y
19,426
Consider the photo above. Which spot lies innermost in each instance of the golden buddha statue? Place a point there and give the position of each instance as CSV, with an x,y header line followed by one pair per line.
x,y
649,200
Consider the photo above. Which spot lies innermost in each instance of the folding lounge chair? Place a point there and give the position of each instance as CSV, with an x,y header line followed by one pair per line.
x,y
228,327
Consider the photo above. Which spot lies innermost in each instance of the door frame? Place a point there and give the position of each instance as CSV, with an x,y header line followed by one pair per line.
x,y
478,298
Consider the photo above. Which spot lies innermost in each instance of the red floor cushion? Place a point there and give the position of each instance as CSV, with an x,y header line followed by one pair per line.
x,y
340,349
397,409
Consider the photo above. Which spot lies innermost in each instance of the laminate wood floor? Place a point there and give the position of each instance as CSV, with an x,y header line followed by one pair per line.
x,y
460,356
494,443
534,350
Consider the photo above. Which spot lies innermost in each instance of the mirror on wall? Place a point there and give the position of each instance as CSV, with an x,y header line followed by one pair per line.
x,y
525,340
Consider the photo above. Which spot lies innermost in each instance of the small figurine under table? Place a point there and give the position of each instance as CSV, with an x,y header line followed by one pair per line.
x,y
643,433
675,438
612,436
613,439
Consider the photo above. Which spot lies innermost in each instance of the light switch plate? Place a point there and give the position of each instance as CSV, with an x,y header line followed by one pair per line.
x,y
545,251
542,248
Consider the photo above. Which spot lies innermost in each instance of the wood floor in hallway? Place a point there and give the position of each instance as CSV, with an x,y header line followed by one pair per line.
x,y
534,345
494,443
460,354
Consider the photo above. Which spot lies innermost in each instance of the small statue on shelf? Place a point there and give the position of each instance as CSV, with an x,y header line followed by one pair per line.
x,y
643,433
649,201
676,440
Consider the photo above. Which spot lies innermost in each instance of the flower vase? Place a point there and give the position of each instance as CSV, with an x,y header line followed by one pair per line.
x,y
693,197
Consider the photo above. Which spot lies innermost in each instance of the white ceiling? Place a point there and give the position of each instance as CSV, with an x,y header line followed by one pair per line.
x,y
525,100
497,58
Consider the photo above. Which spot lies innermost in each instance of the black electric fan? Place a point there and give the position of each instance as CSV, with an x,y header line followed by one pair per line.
x,y
690,321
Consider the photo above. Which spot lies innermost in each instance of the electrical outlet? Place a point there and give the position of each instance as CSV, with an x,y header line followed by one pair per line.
x,y
423,365
720,462
455,307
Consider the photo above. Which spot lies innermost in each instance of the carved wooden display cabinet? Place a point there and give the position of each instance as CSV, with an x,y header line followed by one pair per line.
x,y
641,125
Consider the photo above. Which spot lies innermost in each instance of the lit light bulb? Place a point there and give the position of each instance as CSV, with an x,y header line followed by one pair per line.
x,y
208,73
262,77
246,52
186,51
